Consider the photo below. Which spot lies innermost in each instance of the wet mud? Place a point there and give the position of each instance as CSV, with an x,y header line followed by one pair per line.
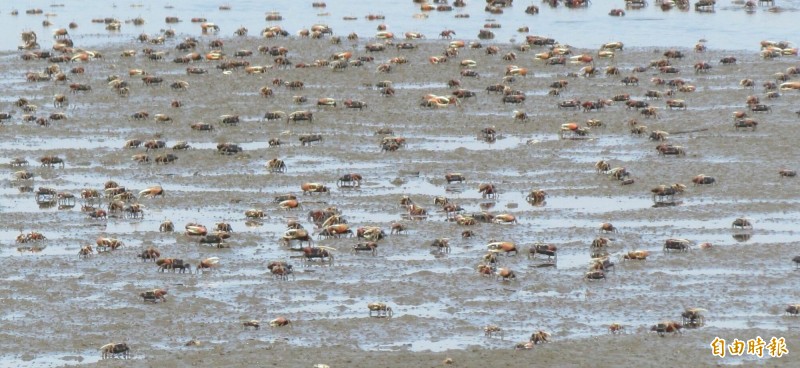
x,y
58,309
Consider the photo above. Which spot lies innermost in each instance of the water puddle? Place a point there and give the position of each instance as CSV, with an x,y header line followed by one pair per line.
x,y
474,144
424,86
52,359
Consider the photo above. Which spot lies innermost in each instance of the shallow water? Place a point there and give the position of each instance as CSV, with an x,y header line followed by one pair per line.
x,y
440,302
646,27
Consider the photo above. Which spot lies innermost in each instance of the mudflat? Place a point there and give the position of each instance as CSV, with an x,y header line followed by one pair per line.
x,y
59,309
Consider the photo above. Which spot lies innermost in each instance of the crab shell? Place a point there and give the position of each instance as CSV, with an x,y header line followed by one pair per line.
x,y
196,230
502,246
492,328
506,273
279,322
377,306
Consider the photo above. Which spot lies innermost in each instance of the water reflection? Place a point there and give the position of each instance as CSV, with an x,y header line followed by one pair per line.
x,y
679,28
667,204
742,237
46,205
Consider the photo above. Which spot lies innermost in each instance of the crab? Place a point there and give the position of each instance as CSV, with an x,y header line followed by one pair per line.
x,y
208,264
107,244
595,275
665,193
417,212
300,115
540,337
281,270
85,251
680,245
326,217
173,264
280,322
254,323
693,317
201,126
300,235
154,144
527,345
114,350
371,233
371,247
214,239
51,161
151,253
600,243
668,149
486,269
391,144
228,148
97,213
742,223
380,310
283,197
154,295
453,177
166,158
442,245
166,227
335,230
349,180
490,330
502,247
662,328
572,131
141,158
506,274
325,254
289,204
549,250
639,255
276,165
18,162
134,211
308,188
254,213
152,192
488,190
607,227
397,228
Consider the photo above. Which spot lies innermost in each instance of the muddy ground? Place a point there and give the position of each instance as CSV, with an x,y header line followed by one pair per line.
x,y
58,309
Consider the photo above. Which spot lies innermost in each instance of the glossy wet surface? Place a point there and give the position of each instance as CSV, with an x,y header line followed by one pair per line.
x,y
440,303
